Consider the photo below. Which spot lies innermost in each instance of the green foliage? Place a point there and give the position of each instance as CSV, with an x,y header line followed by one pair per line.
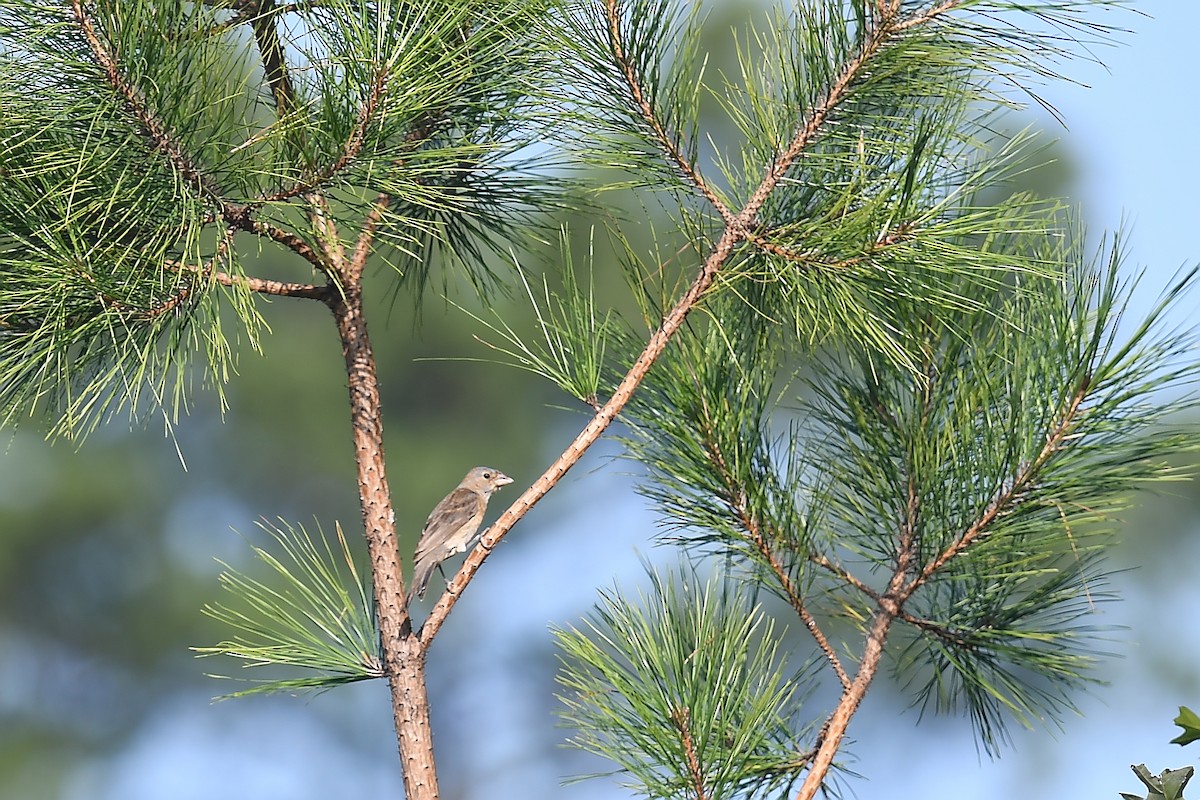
x,y
1189,721
685,690
1167,786
313,612
572,335
902,407
1006,459
1034,441
882,204
132,166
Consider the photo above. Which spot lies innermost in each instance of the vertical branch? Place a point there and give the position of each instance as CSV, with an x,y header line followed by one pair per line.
x,y
835,727
275,68
404,658
888,608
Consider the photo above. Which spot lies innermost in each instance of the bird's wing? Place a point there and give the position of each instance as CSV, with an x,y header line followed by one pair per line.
x,y
455,511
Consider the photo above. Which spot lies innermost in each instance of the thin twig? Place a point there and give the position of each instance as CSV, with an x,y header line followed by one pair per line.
x,y
270,48
366,236
739,504
309,291
155,130
812,258
842,574
796,601
350,150
928,16
665,139
248,10
681,718
888,609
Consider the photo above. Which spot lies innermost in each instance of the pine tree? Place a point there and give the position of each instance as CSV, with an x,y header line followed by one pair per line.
x,y
902,407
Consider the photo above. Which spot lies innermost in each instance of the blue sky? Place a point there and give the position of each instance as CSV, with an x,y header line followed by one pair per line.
x,y
1133,130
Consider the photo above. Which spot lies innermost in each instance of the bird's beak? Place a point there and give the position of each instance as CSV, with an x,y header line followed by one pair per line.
x,y
502,480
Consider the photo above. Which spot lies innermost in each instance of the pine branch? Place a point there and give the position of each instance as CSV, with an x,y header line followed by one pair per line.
x,y
234,214
666,139
734,233
640,692
739,504
1010,495
156,131
366,237
270,49
314,615
681,719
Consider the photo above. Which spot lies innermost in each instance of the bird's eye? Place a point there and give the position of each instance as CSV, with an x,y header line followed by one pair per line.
x,y
487,475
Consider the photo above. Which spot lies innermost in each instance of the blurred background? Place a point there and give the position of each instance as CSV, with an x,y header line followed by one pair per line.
x,y
107,550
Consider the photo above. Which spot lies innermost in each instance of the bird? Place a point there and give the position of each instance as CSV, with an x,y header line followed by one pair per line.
x,y
453,522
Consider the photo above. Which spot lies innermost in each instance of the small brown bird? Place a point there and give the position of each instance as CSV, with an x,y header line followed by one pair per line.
x,y
453,522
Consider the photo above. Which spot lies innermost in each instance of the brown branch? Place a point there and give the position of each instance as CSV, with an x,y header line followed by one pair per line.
x,y
366,236
795,600
835,726
928,16
206,271
739,504
169,305
108,301
258,285
890,604
325,227
937,629
270,47
267,35
682,719
234,214
842,574
309,291
404,657
888,609
248,10
242,218
350,151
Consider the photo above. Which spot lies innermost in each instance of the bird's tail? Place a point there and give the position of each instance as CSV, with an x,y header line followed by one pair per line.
x,y
420,579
